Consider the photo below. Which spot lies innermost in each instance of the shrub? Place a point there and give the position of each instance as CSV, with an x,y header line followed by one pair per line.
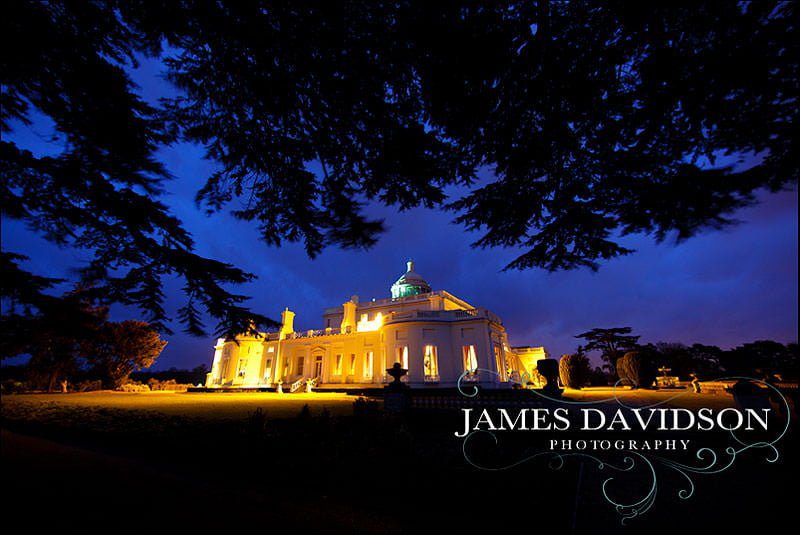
x,y
88,386
13,386
637,368
574,370
169,384
134,387
622,370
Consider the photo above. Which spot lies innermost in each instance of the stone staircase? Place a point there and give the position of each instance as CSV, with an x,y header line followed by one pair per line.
x,y
300,384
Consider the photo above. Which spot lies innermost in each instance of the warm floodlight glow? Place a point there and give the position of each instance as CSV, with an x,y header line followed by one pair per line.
x,y
470,358
365,325
360,341
431,362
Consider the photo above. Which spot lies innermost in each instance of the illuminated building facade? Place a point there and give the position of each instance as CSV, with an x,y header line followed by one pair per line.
x,y
433,334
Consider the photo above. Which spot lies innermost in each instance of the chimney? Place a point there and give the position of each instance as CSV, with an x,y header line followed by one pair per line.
x,y
349,317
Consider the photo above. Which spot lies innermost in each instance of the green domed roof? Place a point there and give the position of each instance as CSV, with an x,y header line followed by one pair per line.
x,y
410,283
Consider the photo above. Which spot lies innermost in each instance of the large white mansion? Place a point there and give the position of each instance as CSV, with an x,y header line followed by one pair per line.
x,y
433,334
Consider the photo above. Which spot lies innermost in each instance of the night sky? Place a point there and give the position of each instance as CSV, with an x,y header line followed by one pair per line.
x,y
723,287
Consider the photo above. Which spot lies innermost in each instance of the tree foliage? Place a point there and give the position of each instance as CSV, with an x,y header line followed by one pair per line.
x,y
100,193
758,359
56,336
121,348
699,359
596,120
70,337
611,343
196,375
637,368
574,370
762,357
59,342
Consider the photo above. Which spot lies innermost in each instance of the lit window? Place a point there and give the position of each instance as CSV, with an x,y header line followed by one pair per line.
x,y
470,358
501,363
241,368
300,364
337,370
352,364
431,361
368,357
401,356
267,370
271,349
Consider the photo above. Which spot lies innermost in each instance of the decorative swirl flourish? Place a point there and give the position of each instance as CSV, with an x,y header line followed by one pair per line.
x,y
709,460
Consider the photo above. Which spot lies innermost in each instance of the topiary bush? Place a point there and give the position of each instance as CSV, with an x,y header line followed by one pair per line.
x,y
574,370
637,368
622,370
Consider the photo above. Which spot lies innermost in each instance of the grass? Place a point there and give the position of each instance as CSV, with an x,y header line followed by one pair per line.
x,y
215,407
127,411
249,460
201,406
642,397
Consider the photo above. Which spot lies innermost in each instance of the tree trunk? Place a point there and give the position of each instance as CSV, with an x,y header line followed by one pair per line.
x,y
51,382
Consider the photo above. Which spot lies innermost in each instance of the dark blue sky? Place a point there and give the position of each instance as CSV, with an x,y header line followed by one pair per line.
x,y
723,287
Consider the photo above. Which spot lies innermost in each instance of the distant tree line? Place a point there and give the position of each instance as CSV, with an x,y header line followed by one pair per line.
x,y
760,358
70,340
21,377
194,376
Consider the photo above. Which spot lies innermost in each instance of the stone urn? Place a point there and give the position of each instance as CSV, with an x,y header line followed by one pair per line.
x,y
548,368
396,398
397,372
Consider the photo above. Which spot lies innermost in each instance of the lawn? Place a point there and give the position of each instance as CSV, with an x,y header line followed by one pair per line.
x,y
238,406
203,406
666,398
216,407
214,461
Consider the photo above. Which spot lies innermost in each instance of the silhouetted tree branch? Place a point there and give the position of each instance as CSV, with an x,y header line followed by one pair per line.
x,y
611,343
597,120
100,193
